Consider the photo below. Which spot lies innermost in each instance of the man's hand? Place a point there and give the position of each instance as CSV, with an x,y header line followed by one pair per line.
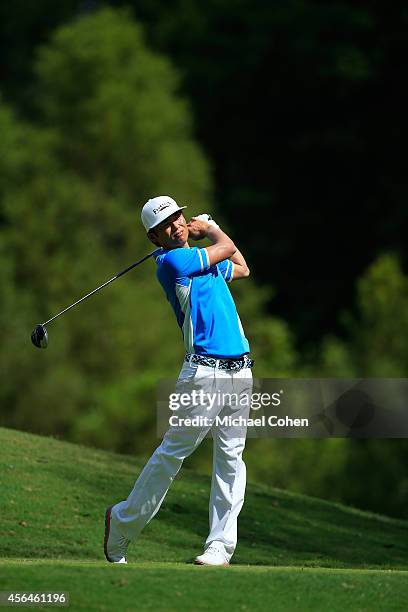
x,y
197,228
203,226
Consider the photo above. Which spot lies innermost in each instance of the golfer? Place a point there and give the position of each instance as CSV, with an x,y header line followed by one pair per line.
x,y
216,361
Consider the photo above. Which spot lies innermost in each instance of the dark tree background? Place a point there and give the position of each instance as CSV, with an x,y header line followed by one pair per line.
x,y
301,107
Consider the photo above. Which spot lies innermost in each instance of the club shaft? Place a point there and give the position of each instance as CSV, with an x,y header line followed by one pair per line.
x,y
102,286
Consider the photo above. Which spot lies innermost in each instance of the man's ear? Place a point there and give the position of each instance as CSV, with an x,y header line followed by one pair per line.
x,y
151,234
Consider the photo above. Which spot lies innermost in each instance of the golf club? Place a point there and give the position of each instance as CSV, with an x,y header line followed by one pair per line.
x,y
39,335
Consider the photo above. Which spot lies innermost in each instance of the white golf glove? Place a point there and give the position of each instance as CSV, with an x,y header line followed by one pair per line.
x,y
208,219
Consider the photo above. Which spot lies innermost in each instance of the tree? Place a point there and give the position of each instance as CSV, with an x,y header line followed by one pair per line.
x,y
117,110
377,334
111,132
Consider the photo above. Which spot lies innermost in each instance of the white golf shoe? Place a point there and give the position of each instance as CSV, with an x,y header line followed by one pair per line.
x,y
115,544
212,556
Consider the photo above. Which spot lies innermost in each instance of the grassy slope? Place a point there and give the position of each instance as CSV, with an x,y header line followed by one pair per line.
x,y
53,495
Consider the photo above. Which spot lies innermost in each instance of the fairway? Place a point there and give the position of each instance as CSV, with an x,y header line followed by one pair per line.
x,y
294,552
173,586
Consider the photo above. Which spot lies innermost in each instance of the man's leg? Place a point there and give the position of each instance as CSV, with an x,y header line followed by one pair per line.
x,y
227,492
153,483
131,516
229,472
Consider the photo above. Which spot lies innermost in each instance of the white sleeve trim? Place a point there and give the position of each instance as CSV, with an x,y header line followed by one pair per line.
x,y
207,257
226,270
232,271
201,259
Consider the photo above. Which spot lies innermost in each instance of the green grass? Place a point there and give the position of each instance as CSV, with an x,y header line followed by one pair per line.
x,y
294,552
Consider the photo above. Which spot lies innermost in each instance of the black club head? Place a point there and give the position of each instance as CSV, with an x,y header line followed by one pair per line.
x,y
39,336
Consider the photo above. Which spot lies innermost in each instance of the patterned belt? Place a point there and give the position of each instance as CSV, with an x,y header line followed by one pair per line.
x,y
221,364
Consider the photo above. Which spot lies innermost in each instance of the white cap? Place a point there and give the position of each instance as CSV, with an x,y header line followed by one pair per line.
x,y
157,210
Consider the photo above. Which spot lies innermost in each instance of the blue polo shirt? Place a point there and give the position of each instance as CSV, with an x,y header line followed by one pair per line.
x,y
202,302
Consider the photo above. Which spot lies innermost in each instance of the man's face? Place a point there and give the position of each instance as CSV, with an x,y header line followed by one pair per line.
x,y
172,233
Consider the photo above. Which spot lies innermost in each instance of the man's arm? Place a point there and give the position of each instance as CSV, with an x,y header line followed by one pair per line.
x,y
241,269
222,247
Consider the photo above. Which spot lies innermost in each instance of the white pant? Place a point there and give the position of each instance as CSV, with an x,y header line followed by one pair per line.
x,y
228,474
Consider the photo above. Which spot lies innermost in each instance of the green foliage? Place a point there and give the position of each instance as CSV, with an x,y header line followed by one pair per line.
x,y
376,345
113,132
377,342
271,341
381,333
117,109
374,475
123,415
299,465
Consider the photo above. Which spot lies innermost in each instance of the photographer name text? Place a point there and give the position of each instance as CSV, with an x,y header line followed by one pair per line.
x,y
239,421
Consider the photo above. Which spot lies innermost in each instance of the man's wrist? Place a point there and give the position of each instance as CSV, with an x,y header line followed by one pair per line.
x,y
214,232
207,219
213,223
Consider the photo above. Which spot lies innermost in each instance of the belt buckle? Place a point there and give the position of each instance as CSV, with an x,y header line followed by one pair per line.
x,y
233,365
